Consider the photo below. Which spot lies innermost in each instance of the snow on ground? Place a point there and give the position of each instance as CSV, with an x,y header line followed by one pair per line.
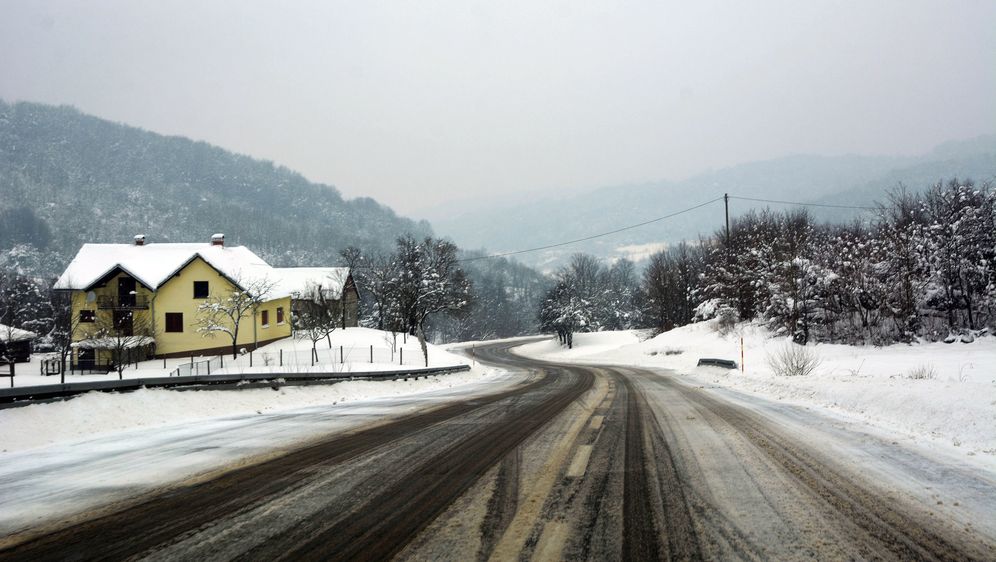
x,y
99,413
64,458
348,351
956,406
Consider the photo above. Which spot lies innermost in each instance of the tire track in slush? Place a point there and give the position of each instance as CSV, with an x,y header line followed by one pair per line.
x,y
890,529
386,523
159,520
502,505
657,520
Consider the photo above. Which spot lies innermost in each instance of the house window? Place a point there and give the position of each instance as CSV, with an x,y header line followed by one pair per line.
x,y
88,316
280,315
200,289
264,318
174,322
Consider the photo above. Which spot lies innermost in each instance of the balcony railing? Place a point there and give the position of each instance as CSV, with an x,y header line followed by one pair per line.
x,y
122,301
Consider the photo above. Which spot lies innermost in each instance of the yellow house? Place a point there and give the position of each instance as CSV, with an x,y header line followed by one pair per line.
x,y
137,301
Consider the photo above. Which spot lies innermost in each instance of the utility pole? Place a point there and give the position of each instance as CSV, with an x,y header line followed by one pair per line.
x,y
726,203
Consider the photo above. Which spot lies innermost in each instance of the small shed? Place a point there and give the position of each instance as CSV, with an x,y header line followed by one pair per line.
x,y
15,343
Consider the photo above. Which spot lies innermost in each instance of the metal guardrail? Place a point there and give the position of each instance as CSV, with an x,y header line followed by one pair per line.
x,y
56,391
724,363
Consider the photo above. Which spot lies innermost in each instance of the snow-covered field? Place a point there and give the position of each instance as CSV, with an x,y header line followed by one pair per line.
x,y
955,405
100,413
348,352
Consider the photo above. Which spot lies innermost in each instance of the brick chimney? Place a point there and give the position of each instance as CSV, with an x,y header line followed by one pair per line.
x,y
139,239
218,239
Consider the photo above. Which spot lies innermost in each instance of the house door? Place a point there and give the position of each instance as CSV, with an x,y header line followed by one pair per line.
x,y
123,322
126,291
84,359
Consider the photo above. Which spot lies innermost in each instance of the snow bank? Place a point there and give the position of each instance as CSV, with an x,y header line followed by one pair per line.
x,y
955,405
354,343
99,413
348,350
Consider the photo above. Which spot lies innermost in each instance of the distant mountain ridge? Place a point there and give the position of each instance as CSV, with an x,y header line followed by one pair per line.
x,y
76,178
842,180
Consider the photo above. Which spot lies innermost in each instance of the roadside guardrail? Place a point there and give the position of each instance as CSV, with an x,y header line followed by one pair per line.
x,y
29,394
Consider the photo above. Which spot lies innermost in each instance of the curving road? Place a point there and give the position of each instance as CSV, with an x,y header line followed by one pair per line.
x,y
578,462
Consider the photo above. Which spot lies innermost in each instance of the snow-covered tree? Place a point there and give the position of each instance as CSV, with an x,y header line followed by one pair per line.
x,y
901,231
429,281
375,274
669,285
960,248
564,311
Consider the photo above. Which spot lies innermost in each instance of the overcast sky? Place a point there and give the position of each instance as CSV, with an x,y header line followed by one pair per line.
x,y
420,103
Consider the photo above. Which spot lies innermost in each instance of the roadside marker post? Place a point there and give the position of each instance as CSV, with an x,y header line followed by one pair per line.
x,y
742,355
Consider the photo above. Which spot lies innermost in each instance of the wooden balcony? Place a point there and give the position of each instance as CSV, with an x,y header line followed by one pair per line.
x,y
122,302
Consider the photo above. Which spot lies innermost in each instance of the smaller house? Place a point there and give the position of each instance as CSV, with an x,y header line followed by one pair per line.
x,y
15,344
306,284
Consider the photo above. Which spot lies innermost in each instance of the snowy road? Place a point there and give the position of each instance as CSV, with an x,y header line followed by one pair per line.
x,y
578,462
49,485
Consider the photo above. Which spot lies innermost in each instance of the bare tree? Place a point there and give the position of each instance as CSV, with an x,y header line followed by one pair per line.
x,y
376,274
66,326
223,313
352,257
123,336
317,315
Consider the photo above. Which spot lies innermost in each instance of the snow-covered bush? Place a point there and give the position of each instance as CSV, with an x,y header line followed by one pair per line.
x,y
726,319
794,360
706,310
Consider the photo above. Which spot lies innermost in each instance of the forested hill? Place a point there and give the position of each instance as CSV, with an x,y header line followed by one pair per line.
x,y
67,178
839,180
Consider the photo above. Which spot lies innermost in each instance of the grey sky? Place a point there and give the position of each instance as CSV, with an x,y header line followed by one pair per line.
x,y
418,103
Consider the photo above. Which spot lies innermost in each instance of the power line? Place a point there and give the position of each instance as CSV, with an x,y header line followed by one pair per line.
x,y
644,223
803,204
592,237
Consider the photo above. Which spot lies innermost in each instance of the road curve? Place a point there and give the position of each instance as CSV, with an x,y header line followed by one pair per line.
x,y
441,452
579,462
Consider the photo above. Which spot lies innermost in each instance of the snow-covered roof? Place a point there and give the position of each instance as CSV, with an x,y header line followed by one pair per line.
x,y
298,281
153,264
10,334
